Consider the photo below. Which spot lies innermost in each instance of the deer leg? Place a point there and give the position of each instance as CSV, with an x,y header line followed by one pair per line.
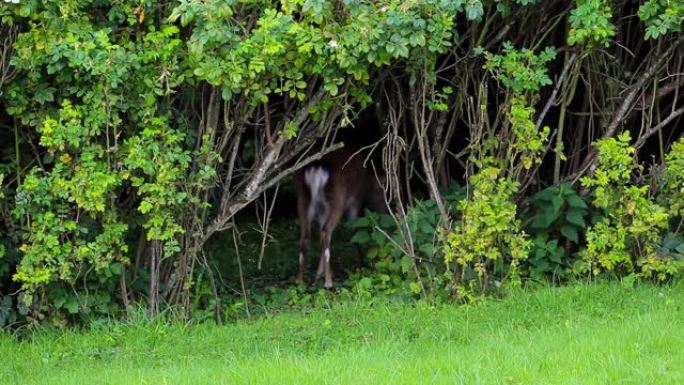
x,y
326,236
324,261
304,238
303,252
321,260
321,266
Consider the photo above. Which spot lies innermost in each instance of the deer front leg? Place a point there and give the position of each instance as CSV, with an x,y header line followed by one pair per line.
x,y
304,239
324,261
326,236
303,253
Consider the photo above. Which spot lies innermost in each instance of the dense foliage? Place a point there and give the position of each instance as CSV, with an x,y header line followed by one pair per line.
x,y
133,133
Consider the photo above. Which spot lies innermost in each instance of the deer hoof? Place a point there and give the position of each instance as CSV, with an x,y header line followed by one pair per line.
x,y
328,285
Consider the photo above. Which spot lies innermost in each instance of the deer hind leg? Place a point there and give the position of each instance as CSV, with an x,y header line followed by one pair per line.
x,y
304,238
327,229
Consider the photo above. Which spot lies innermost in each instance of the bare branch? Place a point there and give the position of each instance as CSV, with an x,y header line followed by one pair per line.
x,y
642,139
559,83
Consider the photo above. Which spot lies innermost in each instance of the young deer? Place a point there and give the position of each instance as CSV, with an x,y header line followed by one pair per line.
x,y
327,189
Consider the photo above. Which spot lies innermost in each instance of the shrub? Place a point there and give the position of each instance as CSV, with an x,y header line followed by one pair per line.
x,y
488,237
406,257
556,221
624,242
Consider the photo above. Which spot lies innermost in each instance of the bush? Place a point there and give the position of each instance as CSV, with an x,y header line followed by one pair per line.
x,y
556,222
406,257
625,241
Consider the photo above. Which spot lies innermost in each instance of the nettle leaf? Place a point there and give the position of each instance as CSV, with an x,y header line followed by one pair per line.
x,y
378,238
540,240
570,232
546,194
576,217
361,222
557,203
672,241
557,255
576,202
71,304
58,302
680,249
361,237
539,222
427,249
542,265
552,244
427,228
550,216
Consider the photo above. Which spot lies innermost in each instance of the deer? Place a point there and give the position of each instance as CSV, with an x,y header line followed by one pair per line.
x,y
338,184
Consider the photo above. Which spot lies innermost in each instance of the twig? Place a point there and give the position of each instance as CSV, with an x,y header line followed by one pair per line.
x,y
242,277
559,83
267,220
642,138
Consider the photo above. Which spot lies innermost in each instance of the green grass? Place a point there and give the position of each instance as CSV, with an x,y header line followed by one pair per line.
x,y
585,334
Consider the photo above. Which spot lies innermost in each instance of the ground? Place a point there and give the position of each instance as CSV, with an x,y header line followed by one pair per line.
x,y
582,334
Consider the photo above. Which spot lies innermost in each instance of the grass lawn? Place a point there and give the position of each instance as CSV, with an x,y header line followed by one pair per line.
x,y
585,334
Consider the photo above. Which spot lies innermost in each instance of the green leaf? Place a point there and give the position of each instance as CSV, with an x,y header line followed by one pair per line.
x,y
426,228
550,216
331,88
577,202
360,237
427,249
570,232
406,264
59,302
671,241
557,204
539,222
541,265
415,287
552,244
116,268
361,222
547,194
372,252
474,9
557,255
71,305
145,207
576,218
